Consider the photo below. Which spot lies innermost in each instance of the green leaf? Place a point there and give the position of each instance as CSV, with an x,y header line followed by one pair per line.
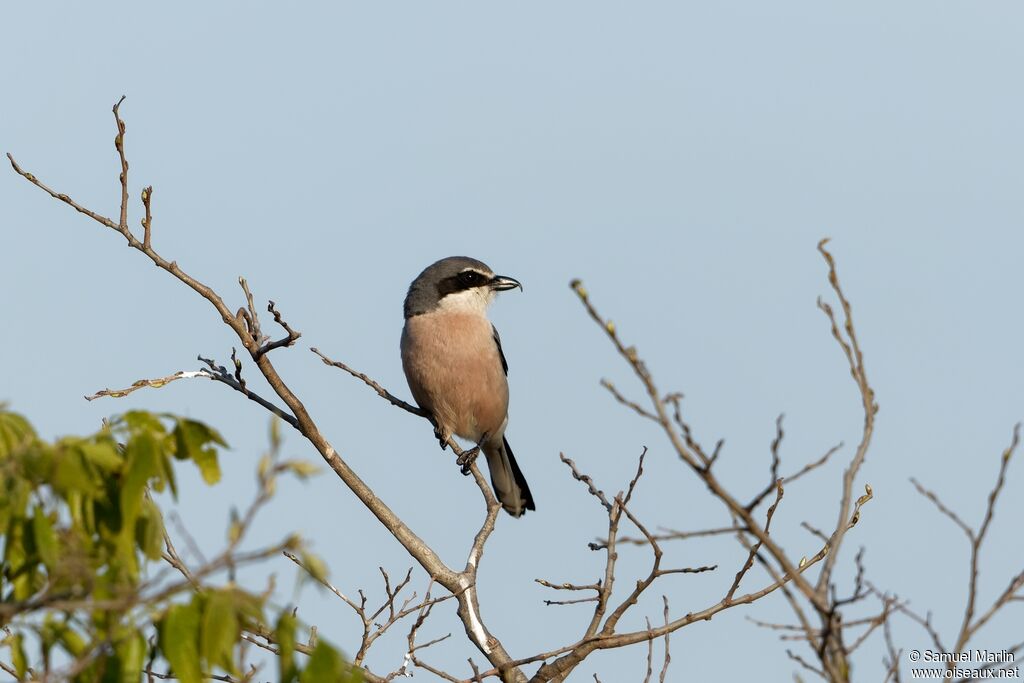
x,y
142,464
208,467
317,567
141,422
46,538
168,472
220,631
285,637
248,606
178,641
131,655
264,466
149,531
103,454
15,431
58,631
72,641
195,440
18,657
325,666
303,469
72,474
234,527
191,435
17,569
275,433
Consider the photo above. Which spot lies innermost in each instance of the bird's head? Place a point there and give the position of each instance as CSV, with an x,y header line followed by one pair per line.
x,y
455,283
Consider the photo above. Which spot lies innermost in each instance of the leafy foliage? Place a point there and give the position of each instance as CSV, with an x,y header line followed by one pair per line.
x,y
80,537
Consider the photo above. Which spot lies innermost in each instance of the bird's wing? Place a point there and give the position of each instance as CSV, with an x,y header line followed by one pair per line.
x,y
497,340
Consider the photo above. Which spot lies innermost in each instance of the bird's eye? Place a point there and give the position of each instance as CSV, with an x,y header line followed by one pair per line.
x,y
470,278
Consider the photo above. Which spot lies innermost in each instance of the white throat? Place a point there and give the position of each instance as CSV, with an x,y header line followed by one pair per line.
x,y
475,300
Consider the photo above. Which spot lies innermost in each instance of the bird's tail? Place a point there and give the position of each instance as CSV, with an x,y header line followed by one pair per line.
x,y
507,479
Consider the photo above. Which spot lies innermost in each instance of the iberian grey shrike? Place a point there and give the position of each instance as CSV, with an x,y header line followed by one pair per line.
x,y
452,357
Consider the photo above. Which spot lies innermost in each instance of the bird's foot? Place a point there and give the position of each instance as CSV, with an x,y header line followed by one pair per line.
x,y
467,459
441,437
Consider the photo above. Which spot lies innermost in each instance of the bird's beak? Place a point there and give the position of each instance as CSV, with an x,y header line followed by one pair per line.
x,y
501,283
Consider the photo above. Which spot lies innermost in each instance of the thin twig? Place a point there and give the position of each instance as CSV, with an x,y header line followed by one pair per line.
x,y
381,391
157,383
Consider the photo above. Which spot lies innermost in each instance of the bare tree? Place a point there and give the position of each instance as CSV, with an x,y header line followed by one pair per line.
x,y
804,577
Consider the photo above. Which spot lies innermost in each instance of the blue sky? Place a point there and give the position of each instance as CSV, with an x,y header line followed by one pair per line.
x,y
683,159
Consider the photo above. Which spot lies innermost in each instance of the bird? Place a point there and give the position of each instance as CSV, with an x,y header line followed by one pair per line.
x,y
456,369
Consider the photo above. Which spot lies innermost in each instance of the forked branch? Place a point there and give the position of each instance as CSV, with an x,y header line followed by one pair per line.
x,y
245,324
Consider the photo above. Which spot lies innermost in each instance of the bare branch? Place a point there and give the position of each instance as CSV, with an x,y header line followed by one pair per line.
x,y
670,535
930,495
813,465
636,407
381,391
815,531
893,656
147,222
411,658
668,653
571,655
968,629
317,576
774,470
650,654
855,358
157,383
238,367
577,601
903,607
675,399
288,340
591,488
807,666
757,546
636,478
168,676
596,587
221,374
569,586
699,462
119,145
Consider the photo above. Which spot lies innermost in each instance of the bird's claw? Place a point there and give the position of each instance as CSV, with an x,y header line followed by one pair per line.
x,y
441,437
467,459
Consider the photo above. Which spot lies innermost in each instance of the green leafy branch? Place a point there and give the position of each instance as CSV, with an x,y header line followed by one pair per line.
x,y
82,593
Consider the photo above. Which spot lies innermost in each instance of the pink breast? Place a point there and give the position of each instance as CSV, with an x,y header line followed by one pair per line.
x,y
454,371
